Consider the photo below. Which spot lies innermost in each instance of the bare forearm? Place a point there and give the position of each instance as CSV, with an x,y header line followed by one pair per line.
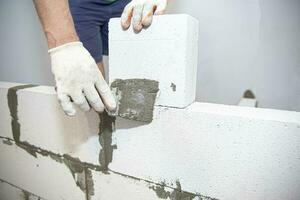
x,y
57,21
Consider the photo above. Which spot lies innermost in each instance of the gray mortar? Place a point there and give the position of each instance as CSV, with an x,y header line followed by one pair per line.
x,y
12,100
74,164
56,157
136,98
82,174
106,128
80,180
89,183
177,193
85,182
7,141
26,195
160,191
173,86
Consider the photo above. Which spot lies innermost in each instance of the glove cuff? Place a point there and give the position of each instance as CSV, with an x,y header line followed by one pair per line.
x,y
67,45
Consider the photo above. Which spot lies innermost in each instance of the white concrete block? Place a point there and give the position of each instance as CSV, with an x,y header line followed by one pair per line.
x,y
41,176
165,52
115,186
226,152
43,123
9,192
50,179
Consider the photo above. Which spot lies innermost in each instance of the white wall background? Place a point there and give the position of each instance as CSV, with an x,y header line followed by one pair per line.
x,y
243,44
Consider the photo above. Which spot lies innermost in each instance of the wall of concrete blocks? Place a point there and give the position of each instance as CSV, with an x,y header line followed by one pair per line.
x,y
190,150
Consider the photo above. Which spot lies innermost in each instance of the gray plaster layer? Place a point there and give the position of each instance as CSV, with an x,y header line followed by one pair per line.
x,y
136,98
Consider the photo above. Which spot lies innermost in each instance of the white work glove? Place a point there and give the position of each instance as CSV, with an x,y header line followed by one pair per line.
x,y
141,12
78,79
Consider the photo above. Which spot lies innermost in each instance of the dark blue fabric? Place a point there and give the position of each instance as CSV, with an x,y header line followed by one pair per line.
x,y
91,23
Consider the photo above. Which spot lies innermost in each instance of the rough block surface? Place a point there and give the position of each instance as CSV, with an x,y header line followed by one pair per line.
x,y
227,152
136,98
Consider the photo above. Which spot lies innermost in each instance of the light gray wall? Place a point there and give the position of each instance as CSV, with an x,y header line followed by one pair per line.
x,y
247,44
23,51
243,44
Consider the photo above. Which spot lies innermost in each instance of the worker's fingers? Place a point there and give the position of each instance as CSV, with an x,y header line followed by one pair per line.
x,y
148,14
93,98
106,95
66,104
126,16
137,17
80,101
161,7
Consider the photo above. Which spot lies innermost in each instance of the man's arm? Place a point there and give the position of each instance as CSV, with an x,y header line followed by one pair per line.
x,y
57,21
77,76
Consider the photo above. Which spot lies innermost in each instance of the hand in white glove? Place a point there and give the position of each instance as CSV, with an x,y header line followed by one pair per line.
x,y
141,12
78,79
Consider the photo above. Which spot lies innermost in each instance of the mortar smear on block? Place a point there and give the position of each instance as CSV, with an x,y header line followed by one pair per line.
x,y
136,98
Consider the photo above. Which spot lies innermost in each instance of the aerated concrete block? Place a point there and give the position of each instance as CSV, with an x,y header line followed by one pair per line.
x,y
43,176
115,186
10,192
225,152
165,52
33,112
